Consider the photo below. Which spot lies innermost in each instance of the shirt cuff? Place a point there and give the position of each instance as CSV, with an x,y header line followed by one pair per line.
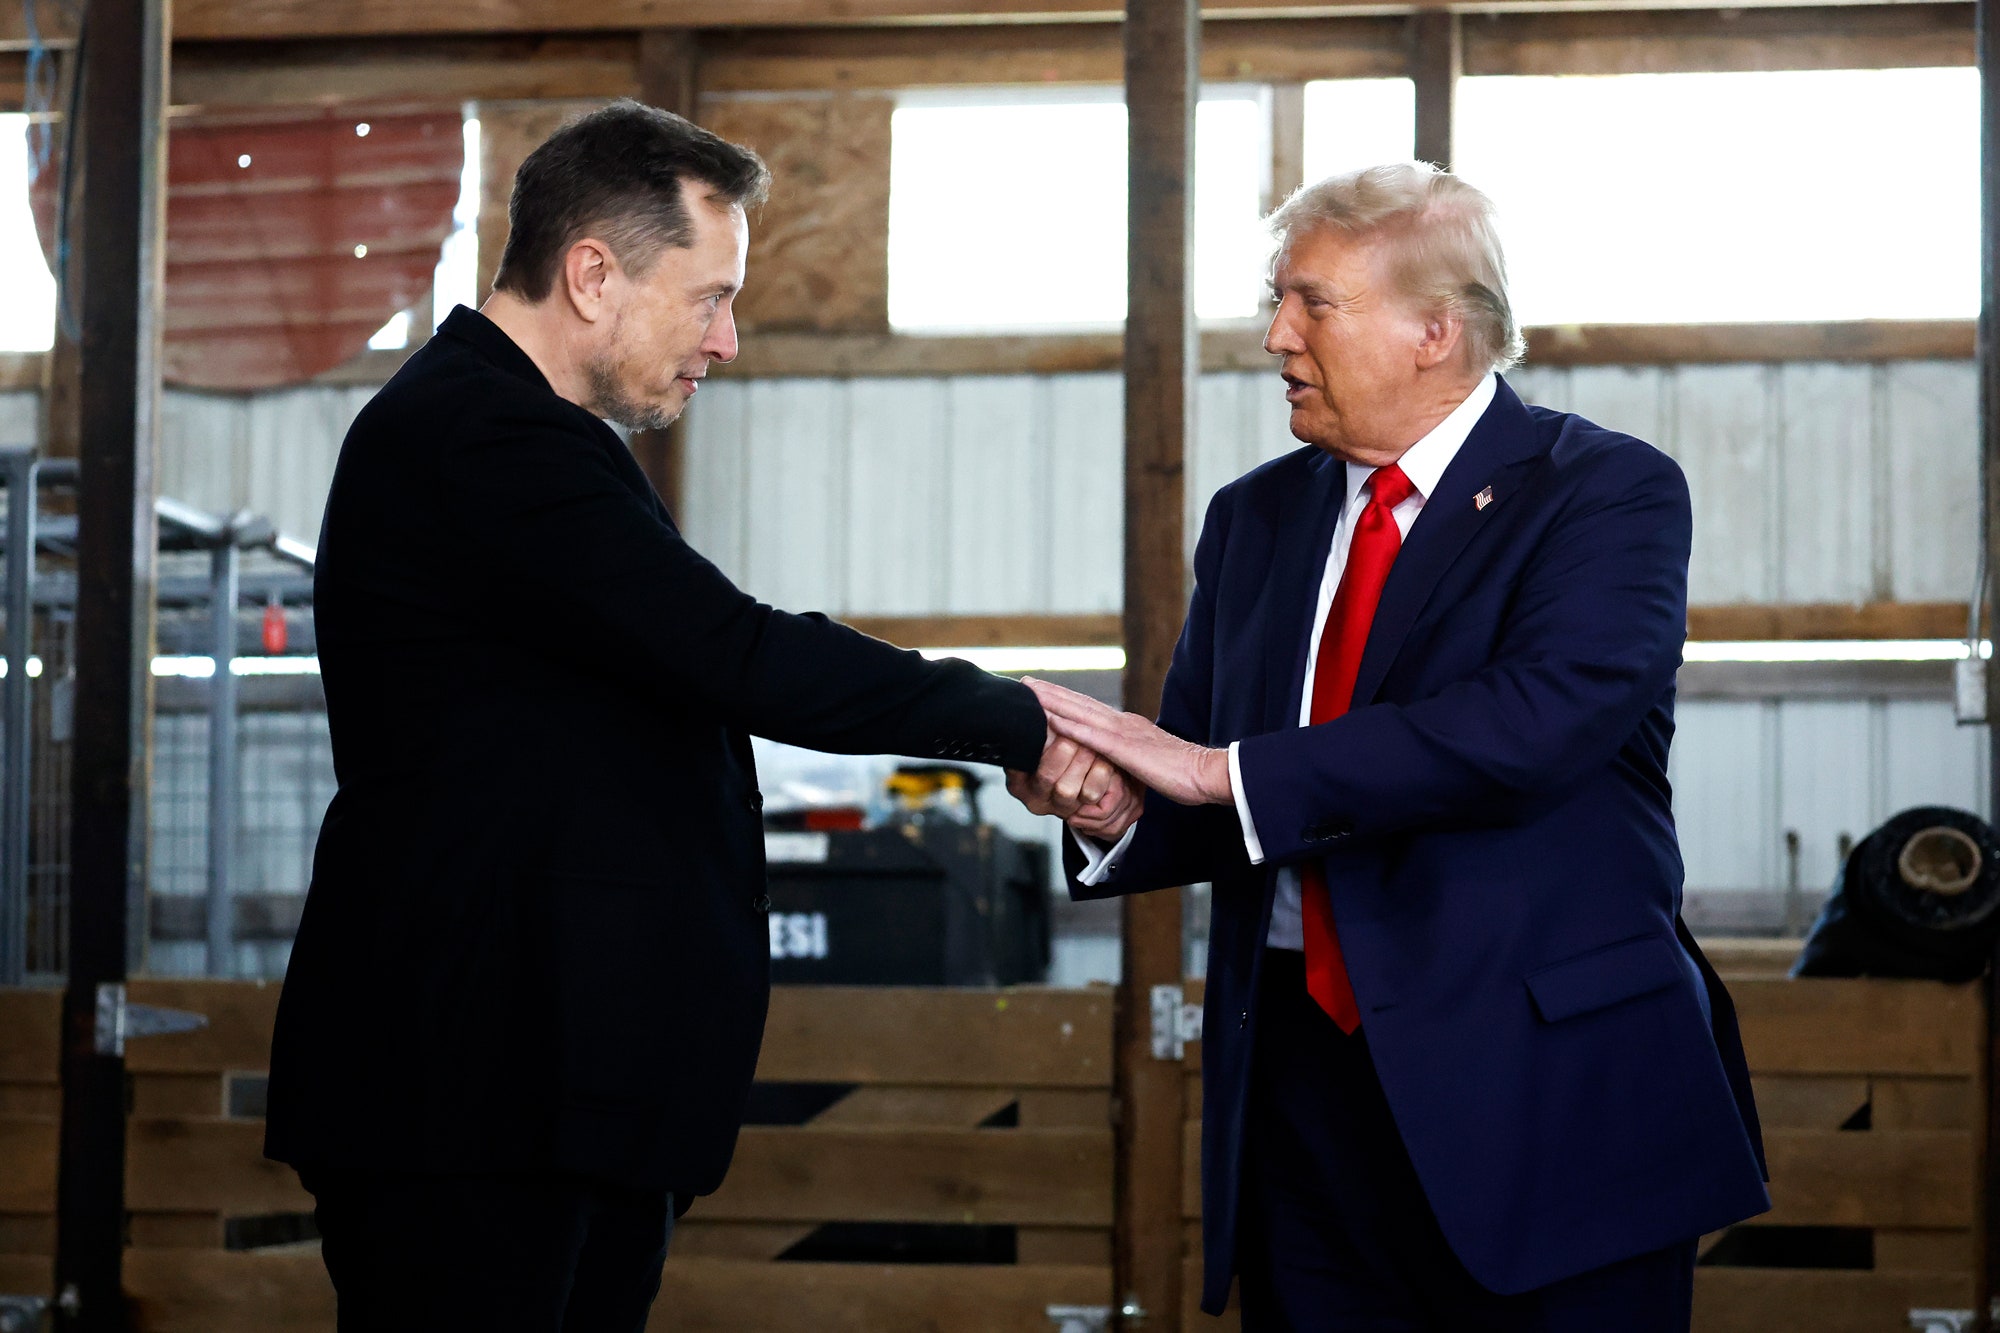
x,y
1250,842
1099,859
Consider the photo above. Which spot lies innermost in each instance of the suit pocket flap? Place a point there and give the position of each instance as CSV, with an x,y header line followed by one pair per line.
x,y
1603,977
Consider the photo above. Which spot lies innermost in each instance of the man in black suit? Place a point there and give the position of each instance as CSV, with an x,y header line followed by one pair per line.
x,y
526,999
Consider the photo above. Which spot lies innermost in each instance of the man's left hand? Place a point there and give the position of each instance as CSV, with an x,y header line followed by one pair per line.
x,y
1180,770
1076,785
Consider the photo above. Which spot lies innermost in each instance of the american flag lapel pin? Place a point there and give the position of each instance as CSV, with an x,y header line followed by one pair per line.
x,y
1484,498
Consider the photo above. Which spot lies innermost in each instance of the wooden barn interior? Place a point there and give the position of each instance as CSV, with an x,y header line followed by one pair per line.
x,y
988,383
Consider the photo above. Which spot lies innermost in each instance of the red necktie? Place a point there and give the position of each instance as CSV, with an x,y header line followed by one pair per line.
x,y
1376,541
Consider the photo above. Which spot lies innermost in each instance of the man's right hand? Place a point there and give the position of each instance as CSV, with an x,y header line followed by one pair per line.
x,y
1075,785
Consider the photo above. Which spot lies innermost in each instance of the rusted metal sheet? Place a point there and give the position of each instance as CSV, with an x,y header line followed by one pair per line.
x,y
293,235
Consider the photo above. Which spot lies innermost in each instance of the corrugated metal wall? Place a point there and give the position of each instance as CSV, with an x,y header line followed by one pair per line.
x,y
1812,482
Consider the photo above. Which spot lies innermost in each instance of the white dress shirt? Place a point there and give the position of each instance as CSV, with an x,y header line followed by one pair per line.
x,y
1424,464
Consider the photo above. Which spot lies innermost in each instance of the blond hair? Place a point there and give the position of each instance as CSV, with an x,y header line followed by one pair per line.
x,y
1445,248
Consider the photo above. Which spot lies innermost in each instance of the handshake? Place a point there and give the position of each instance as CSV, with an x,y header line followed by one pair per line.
x,y
1099,764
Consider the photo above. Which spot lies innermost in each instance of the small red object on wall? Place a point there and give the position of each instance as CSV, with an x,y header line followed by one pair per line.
x,y
276,633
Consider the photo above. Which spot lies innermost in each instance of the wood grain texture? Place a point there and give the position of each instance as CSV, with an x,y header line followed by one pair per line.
x,y
178,1165
1859,1026
1912,1178
222,1291
1050,1177
1689,41
819,249
27,1164
30,1035
237,1037
1753,1300
1023,1038
713,1296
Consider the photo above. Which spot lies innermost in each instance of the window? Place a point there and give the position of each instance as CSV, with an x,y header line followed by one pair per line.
x,y
1355,123
457,275
1010,214
1664,198
28,315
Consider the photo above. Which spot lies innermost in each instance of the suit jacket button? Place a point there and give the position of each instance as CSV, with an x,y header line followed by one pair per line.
x,y
763,903
1243,1019
755,800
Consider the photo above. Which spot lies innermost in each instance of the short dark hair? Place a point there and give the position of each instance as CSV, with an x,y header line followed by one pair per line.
x,y
616,172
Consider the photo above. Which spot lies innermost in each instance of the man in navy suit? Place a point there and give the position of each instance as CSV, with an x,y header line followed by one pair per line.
x,y
1464,1067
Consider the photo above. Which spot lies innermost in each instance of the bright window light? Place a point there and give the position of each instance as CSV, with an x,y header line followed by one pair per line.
x,y
28,314
1669,198
1355,123
394,335
203,668
1011,214
457,279
1832,650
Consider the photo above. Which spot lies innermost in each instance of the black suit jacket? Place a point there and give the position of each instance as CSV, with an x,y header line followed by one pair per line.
x,y
536,934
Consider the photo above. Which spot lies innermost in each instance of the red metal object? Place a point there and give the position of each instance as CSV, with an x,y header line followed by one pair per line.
x,y
292,236
276,633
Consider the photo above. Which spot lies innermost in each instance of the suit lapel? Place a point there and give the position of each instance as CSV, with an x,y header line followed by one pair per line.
x,y
1503,438
1306,520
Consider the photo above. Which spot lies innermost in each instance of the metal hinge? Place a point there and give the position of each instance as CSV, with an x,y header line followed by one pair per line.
x,y
118,1020
1175,1022
1941,1321
21,1314
1080,1318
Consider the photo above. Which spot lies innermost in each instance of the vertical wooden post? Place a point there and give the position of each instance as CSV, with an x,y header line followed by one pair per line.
x,y
1437,55
669,78
1987,42
1162,54
1288,143
123,136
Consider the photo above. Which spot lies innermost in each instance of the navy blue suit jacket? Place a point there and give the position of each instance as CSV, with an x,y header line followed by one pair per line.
x,y
1494,820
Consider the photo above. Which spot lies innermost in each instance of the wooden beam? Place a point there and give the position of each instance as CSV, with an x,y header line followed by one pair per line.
x,y
278,20
1288,144
1437,56
1162,364
1870,620
1728,40
455,68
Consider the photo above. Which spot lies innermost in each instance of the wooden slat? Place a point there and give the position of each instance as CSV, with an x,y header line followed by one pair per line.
x,y
1030,1037
30,1099
1651,344
1933,1251
29,1274
1925,1103
1671,42
1916,1178
177,1095
427,70
194,1165
698,1238
1065,1109
30,1030
1191,1169
1869,620
809,1174
238,1035
1859,1026
176,1231
1063,1245
935,1108
1760,1300
720,1296
27,1164
1788,1102
223,1291
27,1233
288,19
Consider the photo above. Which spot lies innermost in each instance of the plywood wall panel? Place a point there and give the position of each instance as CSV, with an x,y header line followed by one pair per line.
x,y
1933,498
819,249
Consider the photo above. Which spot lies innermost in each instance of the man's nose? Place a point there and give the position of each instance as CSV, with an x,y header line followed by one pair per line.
x,y
720,344
1281,339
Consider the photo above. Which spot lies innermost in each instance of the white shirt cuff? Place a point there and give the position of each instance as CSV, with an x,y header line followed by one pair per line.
x,y
1250,842
1099,859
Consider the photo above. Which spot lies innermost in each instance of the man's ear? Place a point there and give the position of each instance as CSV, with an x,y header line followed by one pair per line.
x,y
1442,337
586,267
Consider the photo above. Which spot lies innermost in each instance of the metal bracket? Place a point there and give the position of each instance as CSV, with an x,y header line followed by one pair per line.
x,y
117,1021
1080,1318
21,1314
1941,1321
1175,1022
